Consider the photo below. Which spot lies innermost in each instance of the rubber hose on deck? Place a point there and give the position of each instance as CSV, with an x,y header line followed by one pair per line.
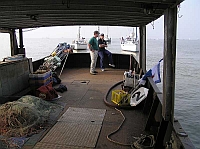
x,y
112,104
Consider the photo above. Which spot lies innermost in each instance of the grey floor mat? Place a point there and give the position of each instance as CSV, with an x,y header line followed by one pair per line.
x,y
77,127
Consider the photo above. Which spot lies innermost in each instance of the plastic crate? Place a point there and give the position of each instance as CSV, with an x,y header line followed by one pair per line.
x,y
120,97
38,80
129,81
42,76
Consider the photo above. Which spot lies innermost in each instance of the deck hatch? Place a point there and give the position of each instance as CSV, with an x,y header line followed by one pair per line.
x,y
77,127
73,134
83,116
57,146
83,82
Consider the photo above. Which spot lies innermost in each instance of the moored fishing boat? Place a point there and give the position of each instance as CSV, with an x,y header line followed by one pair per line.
x,y
80,43
107,39
131,42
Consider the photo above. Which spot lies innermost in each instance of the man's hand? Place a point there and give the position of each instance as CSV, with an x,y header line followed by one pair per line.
x,y
103,45
90,47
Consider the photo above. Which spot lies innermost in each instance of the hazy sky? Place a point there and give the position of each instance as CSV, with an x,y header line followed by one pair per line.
x,y
188,27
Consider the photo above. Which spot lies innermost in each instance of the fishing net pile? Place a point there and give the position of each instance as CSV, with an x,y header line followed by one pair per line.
x,y
22,117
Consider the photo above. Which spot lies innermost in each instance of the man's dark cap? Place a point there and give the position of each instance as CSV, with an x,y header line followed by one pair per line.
x,y
102,34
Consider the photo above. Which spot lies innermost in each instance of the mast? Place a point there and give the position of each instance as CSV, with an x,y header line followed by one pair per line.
x,y
107,35
133,34
79,32
136,34
107,30
98,31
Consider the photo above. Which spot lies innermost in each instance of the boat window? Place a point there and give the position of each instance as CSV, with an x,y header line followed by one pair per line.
x,y
5,49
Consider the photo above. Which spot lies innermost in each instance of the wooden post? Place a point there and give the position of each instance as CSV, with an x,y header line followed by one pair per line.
x,y
170,25
21,49
21,38
142,56
13,42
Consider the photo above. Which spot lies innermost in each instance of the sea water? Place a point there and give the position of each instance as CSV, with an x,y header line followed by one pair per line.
x,y
187,85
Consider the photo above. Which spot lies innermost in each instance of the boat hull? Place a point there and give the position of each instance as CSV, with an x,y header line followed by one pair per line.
x,y
108,40
78,46
129,47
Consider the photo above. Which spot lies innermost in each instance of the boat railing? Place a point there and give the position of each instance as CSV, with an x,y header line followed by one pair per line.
x,y
166,130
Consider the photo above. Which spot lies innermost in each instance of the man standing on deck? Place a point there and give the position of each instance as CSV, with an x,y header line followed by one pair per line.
x,y
93,46
102,44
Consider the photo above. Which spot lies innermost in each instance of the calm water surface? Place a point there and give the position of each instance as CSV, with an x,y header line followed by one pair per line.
x,y
187,102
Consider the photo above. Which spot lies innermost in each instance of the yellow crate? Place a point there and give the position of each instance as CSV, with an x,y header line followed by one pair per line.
x,y
119,97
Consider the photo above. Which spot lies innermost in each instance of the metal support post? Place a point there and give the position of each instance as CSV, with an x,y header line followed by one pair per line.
x,y
170,26
142,56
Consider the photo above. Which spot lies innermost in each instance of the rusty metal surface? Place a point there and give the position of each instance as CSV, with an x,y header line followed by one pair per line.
x,y
83,116
91,96
57,146
83,82
73,134
78,127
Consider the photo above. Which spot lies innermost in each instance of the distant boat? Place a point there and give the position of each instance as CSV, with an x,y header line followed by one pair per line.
x,y
80,43
130,43
107,39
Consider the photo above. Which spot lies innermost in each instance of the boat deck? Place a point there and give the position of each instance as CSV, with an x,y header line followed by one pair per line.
x,y
88,91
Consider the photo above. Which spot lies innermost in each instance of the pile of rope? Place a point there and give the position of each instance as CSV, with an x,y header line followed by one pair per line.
x,y
143,142
24,116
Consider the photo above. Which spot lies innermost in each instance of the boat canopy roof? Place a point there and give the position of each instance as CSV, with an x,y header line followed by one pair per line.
x,y
15,14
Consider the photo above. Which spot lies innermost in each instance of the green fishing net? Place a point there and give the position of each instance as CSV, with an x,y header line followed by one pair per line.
x,y
22,117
